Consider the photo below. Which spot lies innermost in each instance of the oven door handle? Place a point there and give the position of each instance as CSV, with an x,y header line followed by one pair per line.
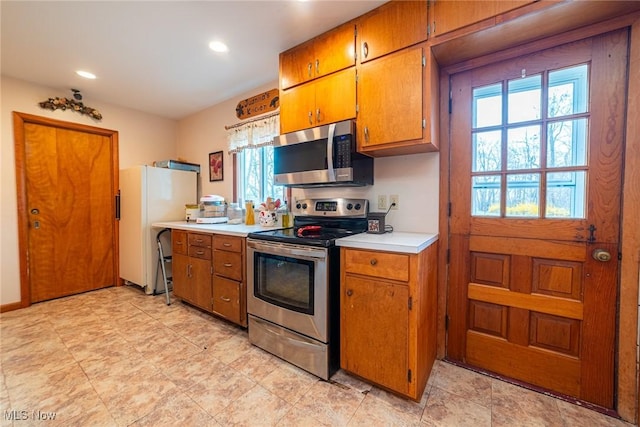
x,y
288,250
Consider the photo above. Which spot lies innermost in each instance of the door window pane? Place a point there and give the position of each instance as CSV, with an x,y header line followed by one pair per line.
x,y
485,197
487,106
536,137
523,195
523,147
487,154
568,91
566,143
524,99
565,195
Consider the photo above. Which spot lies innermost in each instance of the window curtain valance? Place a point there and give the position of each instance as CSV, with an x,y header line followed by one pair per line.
x,y
254,133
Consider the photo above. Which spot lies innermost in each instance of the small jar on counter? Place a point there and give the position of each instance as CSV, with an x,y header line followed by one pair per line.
x,y
235,213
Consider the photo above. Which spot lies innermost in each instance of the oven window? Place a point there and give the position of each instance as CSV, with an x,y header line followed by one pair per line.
x,y
285,282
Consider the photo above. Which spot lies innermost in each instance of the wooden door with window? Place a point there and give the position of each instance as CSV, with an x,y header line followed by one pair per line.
x,y
536,157
67,183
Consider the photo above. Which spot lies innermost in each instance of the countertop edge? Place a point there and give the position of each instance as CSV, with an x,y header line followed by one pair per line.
x,y
403,242
240,230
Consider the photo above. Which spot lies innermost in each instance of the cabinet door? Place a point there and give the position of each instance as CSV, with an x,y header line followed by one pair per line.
x,y
336,97
179,242
297,107
374,331
226,299
320,56
180,274
297,65
392,26
452,15
390,99
335,50
200,282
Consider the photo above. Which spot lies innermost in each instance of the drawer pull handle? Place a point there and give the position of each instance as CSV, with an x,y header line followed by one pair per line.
x,y
365,50
373,261
349,292
179,243
226,244
199,240
200,252
228,264
225,299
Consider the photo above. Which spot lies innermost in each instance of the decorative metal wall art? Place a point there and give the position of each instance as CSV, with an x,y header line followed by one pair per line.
x,y
74,104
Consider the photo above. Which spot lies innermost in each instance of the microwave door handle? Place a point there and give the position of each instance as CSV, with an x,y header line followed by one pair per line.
x,y
330,170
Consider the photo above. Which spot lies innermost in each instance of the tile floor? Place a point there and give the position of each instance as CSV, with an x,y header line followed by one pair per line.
x,y
117,357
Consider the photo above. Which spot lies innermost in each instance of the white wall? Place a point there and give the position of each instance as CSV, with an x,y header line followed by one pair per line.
x,y
143,138
203,133
414,178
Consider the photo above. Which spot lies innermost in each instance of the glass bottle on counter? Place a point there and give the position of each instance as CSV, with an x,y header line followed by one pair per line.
x,y
284,216
250,218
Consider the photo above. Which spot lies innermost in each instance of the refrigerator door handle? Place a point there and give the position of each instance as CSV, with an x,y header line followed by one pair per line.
x,y
118,206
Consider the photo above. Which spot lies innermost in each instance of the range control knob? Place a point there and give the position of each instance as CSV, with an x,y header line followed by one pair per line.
x,y
304,206
358,206
349,206
297,205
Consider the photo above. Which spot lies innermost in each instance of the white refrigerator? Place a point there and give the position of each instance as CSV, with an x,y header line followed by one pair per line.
x,y
149,194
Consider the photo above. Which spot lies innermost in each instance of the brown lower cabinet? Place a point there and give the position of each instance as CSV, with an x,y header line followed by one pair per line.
x,y
208,273
388,317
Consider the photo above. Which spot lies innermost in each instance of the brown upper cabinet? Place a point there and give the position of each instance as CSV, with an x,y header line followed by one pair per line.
x,y
450,15
325,100
398,103
391,27
330,52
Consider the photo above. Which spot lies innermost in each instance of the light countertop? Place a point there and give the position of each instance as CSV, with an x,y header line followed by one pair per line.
x,y
396,241
240,230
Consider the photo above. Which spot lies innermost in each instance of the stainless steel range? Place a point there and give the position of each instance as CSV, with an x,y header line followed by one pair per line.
x,y
294,283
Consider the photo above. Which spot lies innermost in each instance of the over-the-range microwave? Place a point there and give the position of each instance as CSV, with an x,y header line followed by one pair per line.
x,y
320,157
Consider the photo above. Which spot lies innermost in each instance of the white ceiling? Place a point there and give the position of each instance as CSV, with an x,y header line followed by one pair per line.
x,y
153,56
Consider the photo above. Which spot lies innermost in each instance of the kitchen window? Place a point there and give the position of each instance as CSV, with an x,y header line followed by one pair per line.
x,y
255,175
251,142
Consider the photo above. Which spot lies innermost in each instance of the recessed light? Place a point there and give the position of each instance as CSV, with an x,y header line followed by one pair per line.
x,y
86,74
218,46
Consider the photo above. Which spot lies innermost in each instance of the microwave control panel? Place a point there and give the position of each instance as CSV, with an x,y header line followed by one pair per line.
x,y
342,146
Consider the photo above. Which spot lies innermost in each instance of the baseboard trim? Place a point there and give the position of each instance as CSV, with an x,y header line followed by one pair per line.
x,y
10,307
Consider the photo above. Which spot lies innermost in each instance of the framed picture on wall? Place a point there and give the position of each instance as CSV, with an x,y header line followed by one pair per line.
x,y
216,171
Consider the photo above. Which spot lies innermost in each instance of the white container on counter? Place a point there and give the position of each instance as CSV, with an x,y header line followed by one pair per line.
x,y
213,206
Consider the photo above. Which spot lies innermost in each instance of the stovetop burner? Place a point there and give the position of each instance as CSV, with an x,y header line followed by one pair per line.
x,y
319,222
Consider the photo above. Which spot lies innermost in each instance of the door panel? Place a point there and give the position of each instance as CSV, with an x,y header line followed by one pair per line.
x,y
536,183
67,208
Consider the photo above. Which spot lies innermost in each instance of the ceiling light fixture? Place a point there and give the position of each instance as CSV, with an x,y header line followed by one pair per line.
x,y
86,74
218,46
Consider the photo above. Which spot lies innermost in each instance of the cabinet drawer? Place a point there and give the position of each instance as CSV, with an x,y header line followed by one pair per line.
x,y
226,298
228,243
199,252
202,240
377,264
179,242
228,264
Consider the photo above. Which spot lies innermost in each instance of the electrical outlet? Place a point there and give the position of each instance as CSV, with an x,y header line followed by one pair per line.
x,y
382,203
394,199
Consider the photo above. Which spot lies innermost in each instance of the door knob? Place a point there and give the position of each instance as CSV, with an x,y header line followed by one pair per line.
x,y
601,255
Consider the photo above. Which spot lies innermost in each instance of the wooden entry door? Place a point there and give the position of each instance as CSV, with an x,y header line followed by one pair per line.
x,y
67,182
536,157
